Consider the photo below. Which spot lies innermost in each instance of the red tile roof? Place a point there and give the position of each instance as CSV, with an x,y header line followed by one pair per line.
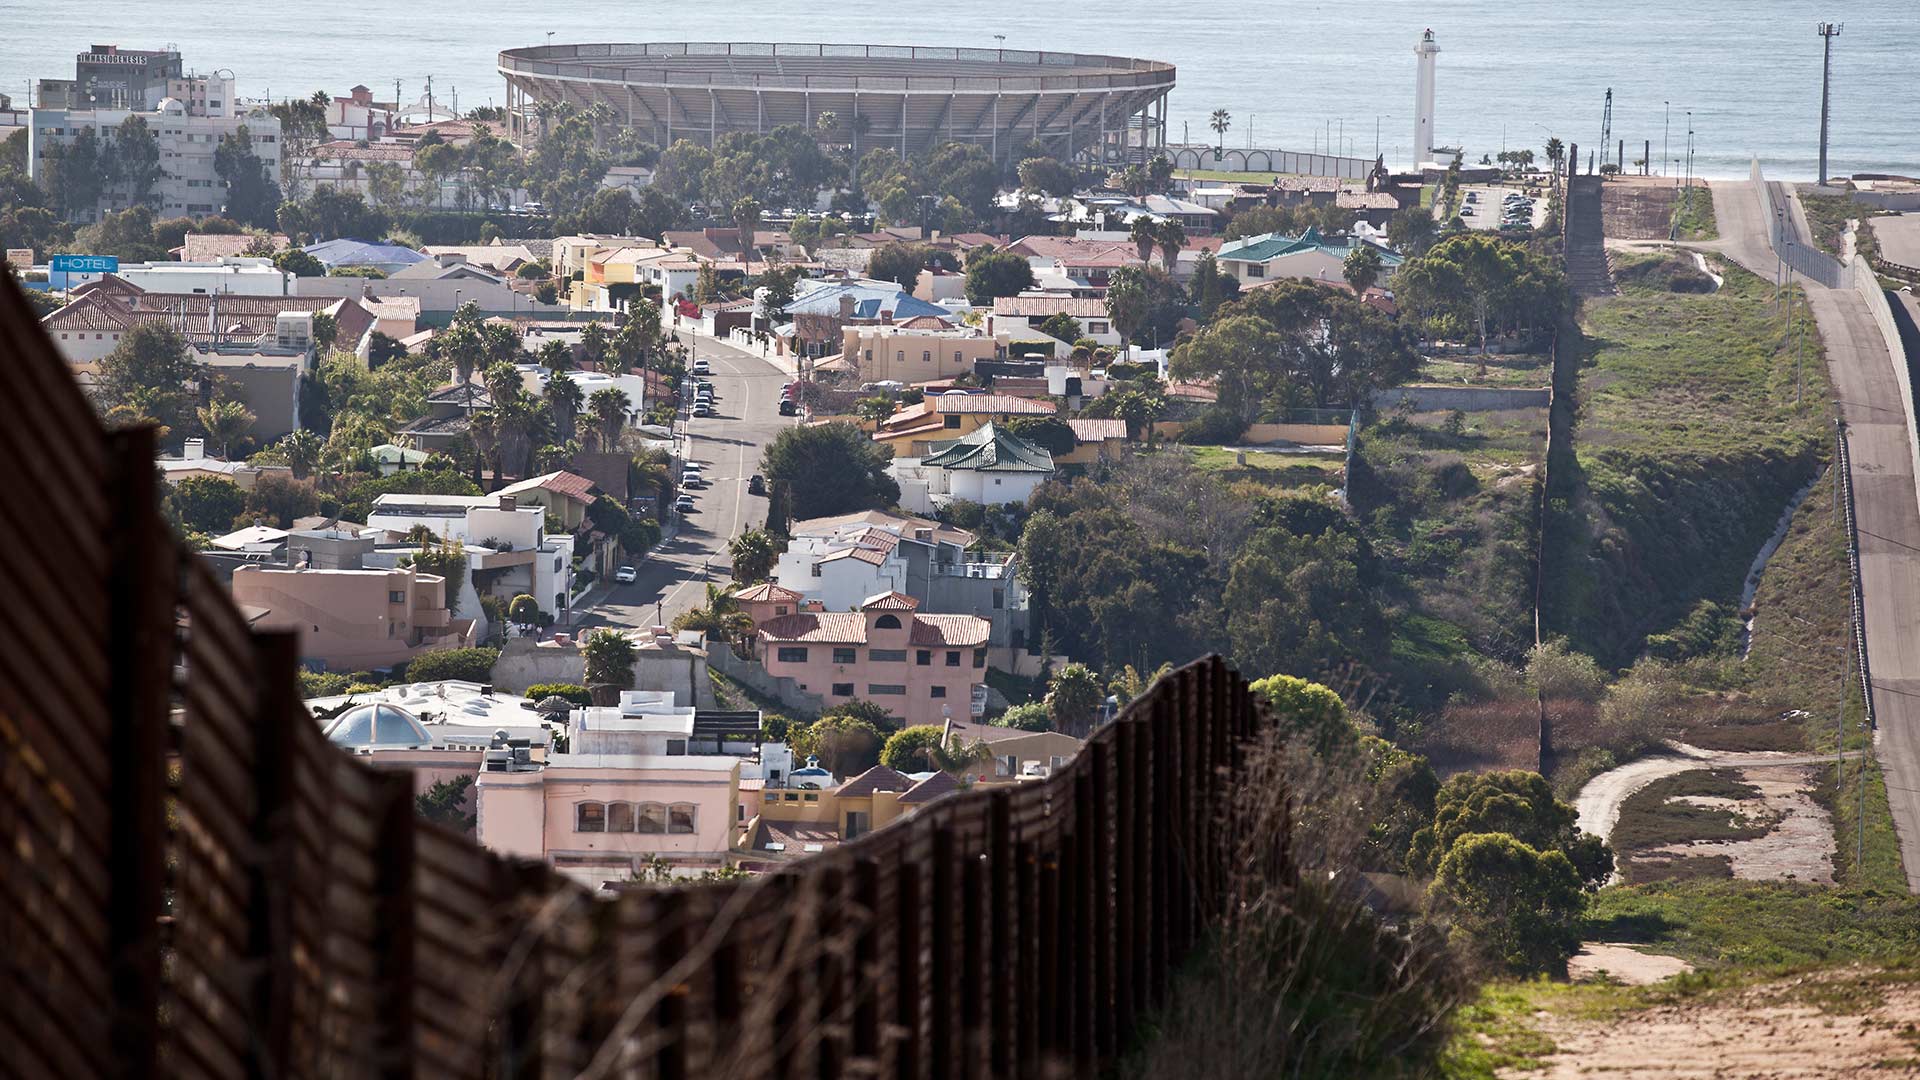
x,y
850,628
878,778
1043,306
1087,431
766,592
959,631
990,403
889,601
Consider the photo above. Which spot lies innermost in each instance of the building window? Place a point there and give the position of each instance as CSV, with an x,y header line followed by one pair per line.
x,y
791,655
953,421
395,597
887,656
843,656
676,747
780,609
680,818
843,689
811,797
816,569
958,357
923,657
886,690
1256,270
619,817
887,622
939,691
652,819
979,658
1096,328
926,356
900,356
589,817
999,599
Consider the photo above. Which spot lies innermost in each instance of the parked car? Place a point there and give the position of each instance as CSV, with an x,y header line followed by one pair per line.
x,y
701,367
703,409
787,408
756,485
626,575
683,504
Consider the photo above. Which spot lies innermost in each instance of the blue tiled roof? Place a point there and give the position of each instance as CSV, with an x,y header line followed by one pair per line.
x,y
347,252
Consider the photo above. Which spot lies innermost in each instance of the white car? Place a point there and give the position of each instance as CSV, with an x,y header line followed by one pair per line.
x,y
626,575
701,367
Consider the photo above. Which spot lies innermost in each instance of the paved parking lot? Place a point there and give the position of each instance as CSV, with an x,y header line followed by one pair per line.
x,y
1487,205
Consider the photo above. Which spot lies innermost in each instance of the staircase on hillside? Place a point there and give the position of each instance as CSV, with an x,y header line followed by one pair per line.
x,y
1587,272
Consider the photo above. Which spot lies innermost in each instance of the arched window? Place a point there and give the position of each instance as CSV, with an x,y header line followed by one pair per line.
x,y
653,818
619,817
589,817
680,818
887,622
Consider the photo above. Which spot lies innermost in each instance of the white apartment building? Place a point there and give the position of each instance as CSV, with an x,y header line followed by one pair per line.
x,y
498,534
189,185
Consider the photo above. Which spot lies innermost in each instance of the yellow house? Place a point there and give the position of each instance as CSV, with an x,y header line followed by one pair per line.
x,y
953,415
1095,440
922,349
794,823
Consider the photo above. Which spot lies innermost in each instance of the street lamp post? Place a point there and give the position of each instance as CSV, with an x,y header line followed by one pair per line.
x,y
1666,131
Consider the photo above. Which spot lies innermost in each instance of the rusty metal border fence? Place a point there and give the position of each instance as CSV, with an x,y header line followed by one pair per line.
x,y
197,884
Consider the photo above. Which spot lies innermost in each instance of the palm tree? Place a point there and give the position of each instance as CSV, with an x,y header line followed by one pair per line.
x,y
609,656
1220,122
720,619
1142,233
564,398
1362,268
593,343
484,432
1555,150
225,421
609,410
753,552
1172,238
556,356
1130,684
302,449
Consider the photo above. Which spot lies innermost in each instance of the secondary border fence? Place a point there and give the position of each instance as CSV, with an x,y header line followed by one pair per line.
x,y
197,884
1856,607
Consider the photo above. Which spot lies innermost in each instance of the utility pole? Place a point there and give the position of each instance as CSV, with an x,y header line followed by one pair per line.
x,y
429,99
1666,132
1827,32
1606,127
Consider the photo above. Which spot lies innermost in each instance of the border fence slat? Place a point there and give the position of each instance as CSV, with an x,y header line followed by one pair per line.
x,y
198,884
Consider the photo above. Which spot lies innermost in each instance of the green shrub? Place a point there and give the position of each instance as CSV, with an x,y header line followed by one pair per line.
x,y
315,684
1215,427
579,695
465,665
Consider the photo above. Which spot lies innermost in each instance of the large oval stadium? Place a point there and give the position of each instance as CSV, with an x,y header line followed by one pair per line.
x,y
1091,108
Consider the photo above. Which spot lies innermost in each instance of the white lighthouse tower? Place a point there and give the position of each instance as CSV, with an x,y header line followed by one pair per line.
x,y
1423,100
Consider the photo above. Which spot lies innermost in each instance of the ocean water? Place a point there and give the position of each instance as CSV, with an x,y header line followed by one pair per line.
x,y
1295,74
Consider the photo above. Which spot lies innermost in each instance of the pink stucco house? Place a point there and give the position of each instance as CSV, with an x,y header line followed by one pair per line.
x,y
920,668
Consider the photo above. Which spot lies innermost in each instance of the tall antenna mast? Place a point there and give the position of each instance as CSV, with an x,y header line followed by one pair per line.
x,y
1606,129
1827,32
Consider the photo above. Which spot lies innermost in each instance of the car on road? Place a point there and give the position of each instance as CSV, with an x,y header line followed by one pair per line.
x,y
626,575
703,409
683,504
702,367
787,408
756,485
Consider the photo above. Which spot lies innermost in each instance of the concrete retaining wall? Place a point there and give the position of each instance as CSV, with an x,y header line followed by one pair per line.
x,y
1867,285
524,662
1464,398
780,688
1797,253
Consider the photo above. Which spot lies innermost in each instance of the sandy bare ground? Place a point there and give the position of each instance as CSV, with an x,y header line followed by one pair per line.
x,y
1598,804
1769,1032
1623,963
1799,846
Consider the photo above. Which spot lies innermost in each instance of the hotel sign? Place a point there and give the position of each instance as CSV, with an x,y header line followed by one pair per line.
x,y
84,264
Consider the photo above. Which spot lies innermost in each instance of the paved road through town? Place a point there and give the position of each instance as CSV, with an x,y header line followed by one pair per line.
x,y
727,447
1886,505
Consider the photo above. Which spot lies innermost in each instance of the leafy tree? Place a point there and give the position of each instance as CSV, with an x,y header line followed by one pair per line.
x,y
1210,288
1145,304
753,553
1311,711
298,263
445,803
1171,237
225,421
1141,232
610,655
280,499
1239,354
253,198
1472,281
1047,176
1061,327
206,504
746,219
524,611
843,743
914,749
1031,716
147,373
1294,603
78,175
1511,904
455,665
331,213
128,234
608,406
1403,790
1048,432
779,286
898,263
356,502
1412,231
1517,803
446,560
829,469
992,274
1073,700
136,160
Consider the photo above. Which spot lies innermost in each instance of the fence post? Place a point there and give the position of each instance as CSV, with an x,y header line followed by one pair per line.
x,y
1086,832
1005,973
141,589
1157,927
1106,829
396,925
830,973
910,990
940,1047
1026,957
866,964
973,954
270,930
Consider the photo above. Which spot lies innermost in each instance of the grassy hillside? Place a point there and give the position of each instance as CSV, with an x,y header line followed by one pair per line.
x,y
1689,446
